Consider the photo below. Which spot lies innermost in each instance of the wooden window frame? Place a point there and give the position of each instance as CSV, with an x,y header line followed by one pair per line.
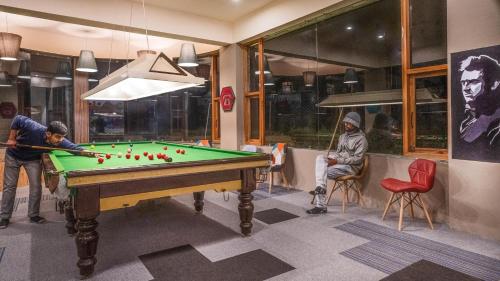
x,y
409,75
248,95
214,71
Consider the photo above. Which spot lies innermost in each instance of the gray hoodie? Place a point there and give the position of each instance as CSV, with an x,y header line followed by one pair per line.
x,y
351,150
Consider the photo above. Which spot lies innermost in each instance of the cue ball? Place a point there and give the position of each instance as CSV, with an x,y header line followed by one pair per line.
x,y
100,160
137,156
119,155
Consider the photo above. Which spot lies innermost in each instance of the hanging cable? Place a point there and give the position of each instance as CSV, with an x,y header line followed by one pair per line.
x,y
110,53
145,23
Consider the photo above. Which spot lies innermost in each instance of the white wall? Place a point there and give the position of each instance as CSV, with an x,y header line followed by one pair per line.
x,y
231,74
474,186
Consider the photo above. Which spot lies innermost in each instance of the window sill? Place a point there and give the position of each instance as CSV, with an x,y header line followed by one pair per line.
x,y
432,154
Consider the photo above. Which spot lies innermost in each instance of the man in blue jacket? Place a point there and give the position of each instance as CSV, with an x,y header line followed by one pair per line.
x,y
26,131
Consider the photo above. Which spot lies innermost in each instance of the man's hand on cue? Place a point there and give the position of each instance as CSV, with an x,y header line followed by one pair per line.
x,y
11,143
332,162
87,153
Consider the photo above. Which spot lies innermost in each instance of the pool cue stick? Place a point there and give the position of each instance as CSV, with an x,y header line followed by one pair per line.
x,y
50,148
334,132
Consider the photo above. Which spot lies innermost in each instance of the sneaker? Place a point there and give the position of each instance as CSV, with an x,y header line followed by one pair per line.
x,y
317,210
318,190
37,219
4,223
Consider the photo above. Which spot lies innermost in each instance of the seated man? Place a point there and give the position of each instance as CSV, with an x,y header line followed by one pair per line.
x,y
26,131
347,160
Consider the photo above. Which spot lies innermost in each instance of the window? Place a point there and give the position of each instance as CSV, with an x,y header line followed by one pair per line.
x,y
394,77
342,58
427,32
184,115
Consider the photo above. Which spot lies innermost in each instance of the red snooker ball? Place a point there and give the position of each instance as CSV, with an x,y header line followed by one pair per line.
x,y
108,156
178,151
127,155
100,160
145,153
159,155
151,157
137,156
165,148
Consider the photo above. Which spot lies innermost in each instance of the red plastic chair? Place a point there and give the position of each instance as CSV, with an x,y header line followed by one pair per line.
x,y
422,174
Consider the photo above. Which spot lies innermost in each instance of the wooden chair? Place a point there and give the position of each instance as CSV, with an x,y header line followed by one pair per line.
x,y
347,182
422,173
261,176
278,163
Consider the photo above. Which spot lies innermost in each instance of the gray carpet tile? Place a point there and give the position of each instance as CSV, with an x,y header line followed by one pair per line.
x,y
186,263
2,249
262,191
391,250
428,271
274,215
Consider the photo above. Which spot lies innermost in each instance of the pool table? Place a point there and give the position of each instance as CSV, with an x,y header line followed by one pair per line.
x,y
121,182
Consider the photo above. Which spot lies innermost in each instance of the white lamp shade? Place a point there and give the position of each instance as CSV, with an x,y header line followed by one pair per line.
x,y
63,71
309,77
86,62
188,56
9,45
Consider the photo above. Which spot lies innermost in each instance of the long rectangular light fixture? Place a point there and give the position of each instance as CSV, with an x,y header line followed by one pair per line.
x,y
423,96
148,75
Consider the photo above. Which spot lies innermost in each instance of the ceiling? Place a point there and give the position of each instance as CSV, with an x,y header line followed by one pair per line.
x,y
226,10
68,39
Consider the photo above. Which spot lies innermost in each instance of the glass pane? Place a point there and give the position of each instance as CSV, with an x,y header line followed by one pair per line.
x,y
427,32
51,95
107,118
254,118
341,56
431,112
253,68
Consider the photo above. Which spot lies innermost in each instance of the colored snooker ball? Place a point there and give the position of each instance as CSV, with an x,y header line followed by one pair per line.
x,y
129,150
165,148
113,145
92,147
183,151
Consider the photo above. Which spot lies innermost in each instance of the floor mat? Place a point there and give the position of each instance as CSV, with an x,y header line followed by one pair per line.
x,y
390,250
186,263
262,191
428,271
274,216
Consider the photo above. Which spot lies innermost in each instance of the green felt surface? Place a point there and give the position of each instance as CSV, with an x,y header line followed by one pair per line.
x,y
66,162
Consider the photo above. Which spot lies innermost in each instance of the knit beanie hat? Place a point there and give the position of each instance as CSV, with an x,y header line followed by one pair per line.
x,y
353,118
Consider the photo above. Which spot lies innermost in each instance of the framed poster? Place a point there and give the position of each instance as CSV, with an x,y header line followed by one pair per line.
x,y
475,104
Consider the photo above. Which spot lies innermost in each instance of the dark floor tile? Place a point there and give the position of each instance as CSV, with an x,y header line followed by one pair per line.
x,y
274,216
428,271
186,263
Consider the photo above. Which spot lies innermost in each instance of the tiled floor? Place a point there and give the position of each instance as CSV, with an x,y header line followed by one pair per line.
x,y
309,244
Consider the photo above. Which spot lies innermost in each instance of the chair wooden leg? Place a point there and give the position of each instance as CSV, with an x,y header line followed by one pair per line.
x,y
361,201
389,203
331,193
345,197
270,181
425,211
411,206
347,186
402,201
283,178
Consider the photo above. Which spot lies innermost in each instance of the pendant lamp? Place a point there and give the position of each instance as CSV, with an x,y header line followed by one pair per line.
x,y
188,56
309,77
86,62
24,70
350,76
9,46
63,71
4,79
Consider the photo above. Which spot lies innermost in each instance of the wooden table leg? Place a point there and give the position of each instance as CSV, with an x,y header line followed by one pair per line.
x,y
70,217
198,201
86,243
245,207
86,210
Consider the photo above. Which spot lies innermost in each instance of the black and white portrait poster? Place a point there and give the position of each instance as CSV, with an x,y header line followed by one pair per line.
x,y
475,104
